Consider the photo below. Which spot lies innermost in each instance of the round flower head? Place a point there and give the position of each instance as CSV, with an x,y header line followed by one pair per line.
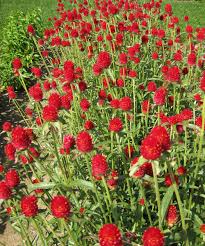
x,y
115,125
125,103
68,141
12,178
109,235
5,192
50,113
20,138
104,59
55,100
84,142
84,104
160,96
10,151
168,180
161,135
7,126
36,93
60,206
99,166
150,148
29,206
153,237
16,63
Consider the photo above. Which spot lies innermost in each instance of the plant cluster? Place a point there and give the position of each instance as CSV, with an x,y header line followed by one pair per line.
x,y
15,43
113,148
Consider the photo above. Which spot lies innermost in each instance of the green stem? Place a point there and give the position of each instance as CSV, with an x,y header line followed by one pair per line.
x,y
157,194
181,210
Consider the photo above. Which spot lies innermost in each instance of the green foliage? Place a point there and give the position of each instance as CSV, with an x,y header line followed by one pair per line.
x,y
17,43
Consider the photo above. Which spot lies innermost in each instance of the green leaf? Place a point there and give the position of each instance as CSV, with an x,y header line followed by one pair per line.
x,y
83,184
42,185
166,201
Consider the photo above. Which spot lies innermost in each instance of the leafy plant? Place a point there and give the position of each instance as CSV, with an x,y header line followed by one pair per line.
x,y
15,43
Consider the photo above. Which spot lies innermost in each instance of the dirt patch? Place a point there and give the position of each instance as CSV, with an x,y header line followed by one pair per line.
x,y
8,112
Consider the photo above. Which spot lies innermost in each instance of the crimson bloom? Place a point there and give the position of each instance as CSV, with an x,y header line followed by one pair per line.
x,y
110,235
60,206
84,142
153,237
29,206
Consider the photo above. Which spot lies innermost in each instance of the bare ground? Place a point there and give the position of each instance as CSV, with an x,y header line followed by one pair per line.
x,y
8,112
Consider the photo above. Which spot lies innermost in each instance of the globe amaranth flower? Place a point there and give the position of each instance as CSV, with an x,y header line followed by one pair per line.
x,y
60,206
152,236
110,235
29,206
84,142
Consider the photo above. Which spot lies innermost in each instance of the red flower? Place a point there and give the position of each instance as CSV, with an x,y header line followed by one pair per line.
x,y
66,102
151,86
7,126
20,138
150,148
145,168
60,206
160,96
162,137
104,59
84,142
115,125
29,206
192,59
97,69
5,192
50,113
12,178
55,100
1,168
198,122
84,104
153,237
16,63
168,8
125,103
173,74
115,103
10,151
30,29
181,170
36,71
168,180
68,142
202,228
202,83
109,235
123,58
145,106
172,215
11,93
99,166
89,125
36,93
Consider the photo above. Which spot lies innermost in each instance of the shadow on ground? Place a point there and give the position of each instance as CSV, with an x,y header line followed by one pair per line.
x,y
9,113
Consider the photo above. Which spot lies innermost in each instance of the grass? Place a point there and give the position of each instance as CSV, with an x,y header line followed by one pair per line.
x,y
194,9
48,8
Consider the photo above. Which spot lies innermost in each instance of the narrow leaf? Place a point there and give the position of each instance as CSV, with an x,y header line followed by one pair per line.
x,y
166,201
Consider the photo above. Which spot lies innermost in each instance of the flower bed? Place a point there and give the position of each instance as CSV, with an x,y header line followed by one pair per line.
x,y
113,149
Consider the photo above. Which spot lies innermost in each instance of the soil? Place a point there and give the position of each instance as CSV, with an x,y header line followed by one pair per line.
x,y
8,112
